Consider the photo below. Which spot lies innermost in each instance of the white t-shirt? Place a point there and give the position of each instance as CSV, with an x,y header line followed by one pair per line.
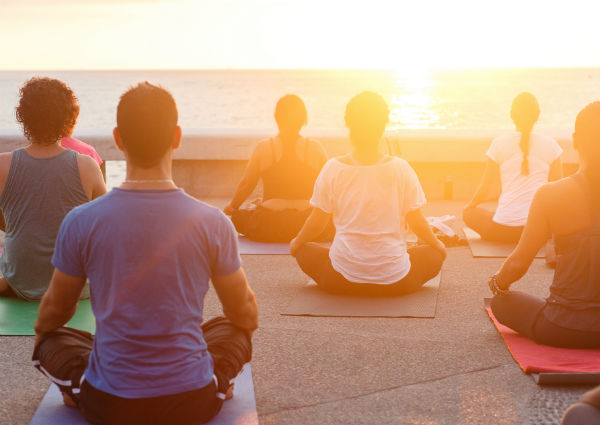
x,y
368,204
518,189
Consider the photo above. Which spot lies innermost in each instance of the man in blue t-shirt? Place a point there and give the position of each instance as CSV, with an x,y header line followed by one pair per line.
x,y
149,251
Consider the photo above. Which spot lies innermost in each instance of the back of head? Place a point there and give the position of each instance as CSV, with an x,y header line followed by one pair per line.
x,y
290,113
366,116
47,110
525,112
146,119
587,133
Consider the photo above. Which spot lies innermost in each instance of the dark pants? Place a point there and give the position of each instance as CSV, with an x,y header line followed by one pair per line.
x,y
524,313
63,356
481,220
265,225
314,260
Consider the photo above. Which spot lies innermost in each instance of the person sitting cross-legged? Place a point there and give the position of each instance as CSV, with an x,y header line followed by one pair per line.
x,y
40,184
288,166
148,250
371,197
522,161
569,211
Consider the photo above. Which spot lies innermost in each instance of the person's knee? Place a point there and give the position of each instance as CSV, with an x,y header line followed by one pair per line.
x,y
468,216
581,413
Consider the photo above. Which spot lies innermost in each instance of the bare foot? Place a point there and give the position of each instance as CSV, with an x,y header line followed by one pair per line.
x,y
68,400
229,393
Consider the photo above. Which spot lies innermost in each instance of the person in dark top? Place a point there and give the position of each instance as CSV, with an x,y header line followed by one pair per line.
x,y
569,211
39,185
288,165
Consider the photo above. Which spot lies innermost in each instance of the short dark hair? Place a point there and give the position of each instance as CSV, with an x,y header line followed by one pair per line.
x,y
146,119
290,111
47,110
367,109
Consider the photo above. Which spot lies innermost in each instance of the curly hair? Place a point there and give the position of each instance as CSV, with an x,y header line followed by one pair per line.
x,y
47,110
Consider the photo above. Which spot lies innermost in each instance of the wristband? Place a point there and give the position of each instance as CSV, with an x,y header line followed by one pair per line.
x,y
495,288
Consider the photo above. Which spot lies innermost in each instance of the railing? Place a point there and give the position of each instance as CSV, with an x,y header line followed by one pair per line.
x,y
210,162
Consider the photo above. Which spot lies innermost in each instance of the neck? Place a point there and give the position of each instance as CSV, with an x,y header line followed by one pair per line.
x,y
286,137
367,157
155,177
44,150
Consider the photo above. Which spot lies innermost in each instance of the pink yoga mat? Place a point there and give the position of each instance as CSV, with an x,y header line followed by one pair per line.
x,y
535,358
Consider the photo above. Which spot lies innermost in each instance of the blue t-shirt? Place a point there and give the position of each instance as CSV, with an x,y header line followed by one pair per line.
x,y
148,255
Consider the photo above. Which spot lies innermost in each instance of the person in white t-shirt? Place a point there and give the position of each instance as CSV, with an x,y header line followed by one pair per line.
x,y
371,197
523,161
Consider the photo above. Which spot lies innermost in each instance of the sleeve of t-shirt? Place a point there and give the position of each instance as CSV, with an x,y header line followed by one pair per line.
x,y
412,196
322,196
226,257
495,151
68,248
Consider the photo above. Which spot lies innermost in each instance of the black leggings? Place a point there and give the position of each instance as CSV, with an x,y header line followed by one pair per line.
x,y
524,313
274,226
313,259
63,355
481,220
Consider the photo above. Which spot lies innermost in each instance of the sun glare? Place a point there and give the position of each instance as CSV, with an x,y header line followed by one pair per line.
x,y
413,100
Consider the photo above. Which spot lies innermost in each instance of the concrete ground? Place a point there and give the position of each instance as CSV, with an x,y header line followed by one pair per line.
x,y
453,369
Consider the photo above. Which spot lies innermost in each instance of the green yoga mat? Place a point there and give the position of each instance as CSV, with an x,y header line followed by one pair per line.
x,y
17,317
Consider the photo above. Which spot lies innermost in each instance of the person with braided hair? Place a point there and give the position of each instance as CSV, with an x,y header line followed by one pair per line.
x,y
568,210
523,161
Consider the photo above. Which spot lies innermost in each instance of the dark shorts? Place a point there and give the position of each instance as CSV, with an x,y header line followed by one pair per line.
x,y
482,221
63,357
265,225
524,313
313,259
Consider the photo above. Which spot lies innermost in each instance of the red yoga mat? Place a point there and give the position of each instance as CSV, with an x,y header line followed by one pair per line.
x,y
535,358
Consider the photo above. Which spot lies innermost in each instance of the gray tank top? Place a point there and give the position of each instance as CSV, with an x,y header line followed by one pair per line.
x,y
574,300
39,192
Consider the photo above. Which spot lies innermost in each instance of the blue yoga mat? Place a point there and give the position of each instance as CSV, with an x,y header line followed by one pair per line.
x,y
248,247
240,410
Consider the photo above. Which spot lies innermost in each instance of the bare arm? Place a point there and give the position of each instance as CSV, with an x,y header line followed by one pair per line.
x,y
418,224
247,184
91,176
556,171
59,303
314,226
239,302
483,192
535,234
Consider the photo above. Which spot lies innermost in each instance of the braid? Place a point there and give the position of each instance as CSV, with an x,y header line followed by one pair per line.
x,y
524,145
524,112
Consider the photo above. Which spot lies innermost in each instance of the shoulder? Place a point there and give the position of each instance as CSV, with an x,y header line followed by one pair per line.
x,y
5,158
263,146
546,140
86,162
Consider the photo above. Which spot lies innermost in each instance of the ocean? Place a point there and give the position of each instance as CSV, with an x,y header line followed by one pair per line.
x,y
469,99
245,99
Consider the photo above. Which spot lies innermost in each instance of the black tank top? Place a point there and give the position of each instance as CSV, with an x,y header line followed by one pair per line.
x,y
290,177
574,300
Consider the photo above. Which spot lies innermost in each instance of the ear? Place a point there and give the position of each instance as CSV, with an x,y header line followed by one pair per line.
x,y
177,138
118,140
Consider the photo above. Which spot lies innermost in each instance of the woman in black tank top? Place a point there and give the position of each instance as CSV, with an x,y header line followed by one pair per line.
x,y
569,211
288,166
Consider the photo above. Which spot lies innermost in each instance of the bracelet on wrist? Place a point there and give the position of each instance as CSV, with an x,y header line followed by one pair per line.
x,y
495,288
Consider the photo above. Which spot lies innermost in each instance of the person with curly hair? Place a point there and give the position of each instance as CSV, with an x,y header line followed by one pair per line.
x,y
39,185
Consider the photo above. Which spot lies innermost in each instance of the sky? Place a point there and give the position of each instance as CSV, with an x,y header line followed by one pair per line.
x,y
374,34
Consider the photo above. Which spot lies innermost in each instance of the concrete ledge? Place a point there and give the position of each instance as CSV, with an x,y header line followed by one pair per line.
x,y
210,162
